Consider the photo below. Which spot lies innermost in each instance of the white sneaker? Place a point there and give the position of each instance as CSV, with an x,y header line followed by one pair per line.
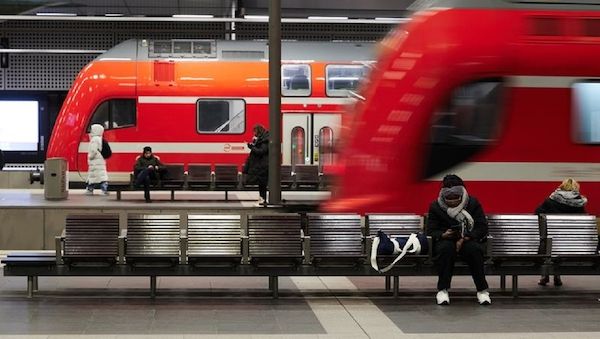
x,y
106,192
484,298
442,297
88,192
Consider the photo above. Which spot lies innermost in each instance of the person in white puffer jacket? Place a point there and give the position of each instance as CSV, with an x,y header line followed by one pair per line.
x,y
96,164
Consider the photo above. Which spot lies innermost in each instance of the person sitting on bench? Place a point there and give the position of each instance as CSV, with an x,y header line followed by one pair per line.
x,y
147,168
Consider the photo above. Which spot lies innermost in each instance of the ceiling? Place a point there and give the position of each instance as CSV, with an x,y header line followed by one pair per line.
x,y
216,8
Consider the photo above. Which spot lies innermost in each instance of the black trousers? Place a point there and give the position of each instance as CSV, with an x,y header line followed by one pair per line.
x,y
445,257
145,177
262,187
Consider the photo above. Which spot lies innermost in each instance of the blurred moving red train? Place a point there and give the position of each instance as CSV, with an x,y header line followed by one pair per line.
x,y
505,94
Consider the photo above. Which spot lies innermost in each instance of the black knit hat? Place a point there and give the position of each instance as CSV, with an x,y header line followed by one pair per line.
x,y
147,149
452,180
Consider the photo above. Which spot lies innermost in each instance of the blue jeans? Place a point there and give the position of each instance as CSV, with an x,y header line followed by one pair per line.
x,y
103,186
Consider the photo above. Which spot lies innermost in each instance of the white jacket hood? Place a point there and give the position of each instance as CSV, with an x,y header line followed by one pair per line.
x,y
96,130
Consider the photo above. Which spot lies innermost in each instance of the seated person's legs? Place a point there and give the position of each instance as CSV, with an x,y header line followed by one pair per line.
x,y
472,253
445,256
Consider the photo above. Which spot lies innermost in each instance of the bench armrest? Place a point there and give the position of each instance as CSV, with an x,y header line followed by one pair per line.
x,y
306,249
58,247
183,247
122,240
245,243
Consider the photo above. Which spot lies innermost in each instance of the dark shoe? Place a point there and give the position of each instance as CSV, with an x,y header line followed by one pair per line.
x,y
148,200
557,281
544,280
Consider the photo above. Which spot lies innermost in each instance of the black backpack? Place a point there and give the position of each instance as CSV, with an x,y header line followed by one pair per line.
x,y
106,151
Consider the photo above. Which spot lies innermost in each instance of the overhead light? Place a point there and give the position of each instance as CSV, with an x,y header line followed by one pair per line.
x,y
256,16
113,14
328,17
193,16
55,14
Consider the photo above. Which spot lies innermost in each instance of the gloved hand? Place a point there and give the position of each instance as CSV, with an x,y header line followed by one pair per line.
x,y
250,145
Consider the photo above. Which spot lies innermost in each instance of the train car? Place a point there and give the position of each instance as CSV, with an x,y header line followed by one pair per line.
x,y
503,93
196,101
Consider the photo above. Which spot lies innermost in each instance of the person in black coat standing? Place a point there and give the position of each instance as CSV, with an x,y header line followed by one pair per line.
x,y
458,226
257,164
564,200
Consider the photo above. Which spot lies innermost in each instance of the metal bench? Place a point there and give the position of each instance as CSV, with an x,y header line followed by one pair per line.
x,y
573,242
515,247
214,240
89,239
395,225
226,178
199,176
306,176
174,180
152,239
334,239
275,243
287,177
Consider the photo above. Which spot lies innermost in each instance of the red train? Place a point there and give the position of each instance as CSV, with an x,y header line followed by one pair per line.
x,y
502,93
196,101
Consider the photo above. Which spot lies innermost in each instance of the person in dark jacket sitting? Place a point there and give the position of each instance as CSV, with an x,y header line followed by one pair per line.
x,y
458,226
564,200
257,164
147,168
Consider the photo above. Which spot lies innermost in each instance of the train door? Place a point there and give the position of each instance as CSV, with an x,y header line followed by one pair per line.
x,y
309,138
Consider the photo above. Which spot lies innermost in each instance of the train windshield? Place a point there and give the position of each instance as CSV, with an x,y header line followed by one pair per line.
x,y
115,113
468,121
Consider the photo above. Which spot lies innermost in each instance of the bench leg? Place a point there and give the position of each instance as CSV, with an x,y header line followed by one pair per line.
x,y
388,283
29,286
503,282
35,283
153,286
118,195
274,286
515,286
396,286
226,195
172,195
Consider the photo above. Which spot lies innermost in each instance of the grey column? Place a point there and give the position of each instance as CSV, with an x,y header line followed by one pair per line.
x,y
275,101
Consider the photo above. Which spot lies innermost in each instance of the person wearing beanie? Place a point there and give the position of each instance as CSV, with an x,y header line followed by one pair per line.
x,y
566,199
147,168
458,227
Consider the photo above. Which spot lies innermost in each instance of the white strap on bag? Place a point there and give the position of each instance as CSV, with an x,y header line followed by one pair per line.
x,y
412,246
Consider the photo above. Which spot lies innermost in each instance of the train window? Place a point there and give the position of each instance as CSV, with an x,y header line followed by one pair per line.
x,y
115,113
221,116
325,147
298,146
343,78
467,122
587,112
295,80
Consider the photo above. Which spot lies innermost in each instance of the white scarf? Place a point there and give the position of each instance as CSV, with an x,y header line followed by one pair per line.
x,y
458,213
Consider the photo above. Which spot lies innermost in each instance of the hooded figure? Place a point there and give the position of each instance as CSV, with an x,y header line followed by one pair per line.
x,y
96,164
458,226
257,164
566,199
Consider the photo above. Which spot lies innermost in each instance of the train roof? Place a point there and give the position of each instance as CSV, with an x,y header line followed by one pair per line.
x,y
507,4
235,50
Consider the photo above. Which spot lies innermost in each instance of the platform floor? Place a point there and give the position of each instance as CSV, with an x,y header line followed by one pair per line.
x,y
313,307
34,198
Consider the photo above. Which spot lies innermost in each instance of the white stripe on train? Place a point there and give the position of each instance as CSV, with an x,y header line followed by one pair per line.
x,y
249,100
525,171
176,147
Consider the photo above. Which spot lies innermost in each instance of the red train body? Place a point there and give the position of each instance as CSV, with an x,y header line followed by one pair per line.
x,y
196,101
